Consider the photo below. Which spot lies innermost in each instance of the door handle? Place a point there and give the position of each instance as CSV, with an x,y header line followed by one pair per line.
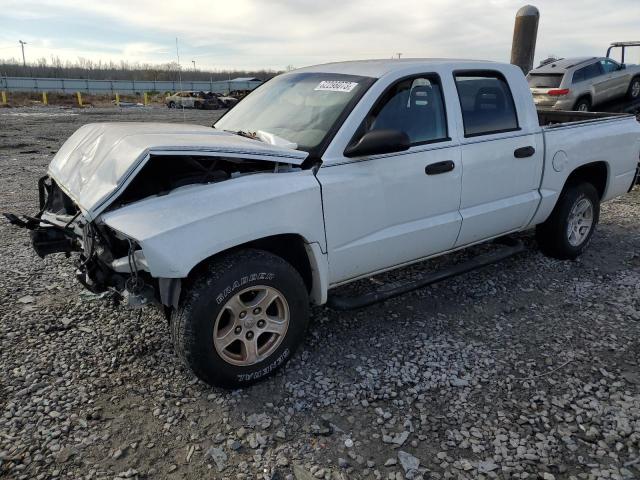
x,y
439,167
524,152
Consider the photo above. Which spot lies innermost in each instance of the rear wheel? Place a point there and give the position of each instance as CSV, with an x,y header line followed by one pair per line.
x,y
634,89
568,230
171,105
242,320
583,105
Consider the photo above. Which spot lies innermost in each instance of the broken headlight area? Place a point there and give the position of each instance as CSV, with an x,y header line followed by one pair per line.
x,y
108,261
54,228
112,262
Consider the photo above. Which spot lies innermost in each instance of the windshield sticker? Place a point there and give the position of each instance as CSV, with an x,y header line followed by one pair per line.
x,y
336,86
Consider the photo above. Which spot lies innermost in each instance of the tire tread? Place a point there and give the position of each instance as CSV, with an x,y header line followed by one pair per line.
x,y
550,234
183,334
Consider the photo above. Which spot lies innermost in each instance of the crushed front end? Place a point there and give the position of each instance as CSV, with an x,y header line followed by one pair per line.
x,y
107,261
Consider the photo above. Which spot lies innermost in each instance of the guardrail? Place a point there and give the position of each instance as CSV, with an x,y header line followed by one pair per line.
x,y
70,85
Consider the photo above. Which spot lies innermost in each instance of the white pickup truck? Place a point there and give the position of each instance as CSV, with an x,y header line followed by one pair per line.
x,y
320,177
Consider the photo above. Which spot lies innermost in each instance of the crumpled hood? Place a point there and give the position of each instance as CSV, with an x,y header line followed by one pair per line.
x,y
100,159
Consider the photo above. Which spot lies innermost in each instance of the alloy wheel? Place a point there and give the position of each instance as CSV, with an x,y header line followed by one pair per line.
x,y
251,325
580,222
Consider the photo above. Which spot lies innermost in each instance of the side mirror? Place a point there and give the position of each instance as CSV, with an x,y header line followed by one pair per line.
x,y
378,142
622,66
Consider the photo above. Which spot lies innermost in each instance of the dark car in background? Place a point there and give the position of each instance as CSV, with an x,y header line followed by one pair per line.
x,y
226,100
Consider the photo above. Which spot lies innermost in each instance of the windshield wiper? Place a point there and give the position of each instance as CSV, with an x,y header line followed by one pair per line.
x,y
266,137
242,133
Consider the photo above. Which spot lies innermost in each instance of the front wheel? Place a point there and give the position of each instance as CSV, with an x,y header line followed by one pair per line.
x,y
634,89
242,320
567,232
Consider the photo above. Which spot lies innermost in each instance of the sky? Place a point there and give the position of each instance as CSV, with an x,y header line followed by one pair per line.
x,y
275,34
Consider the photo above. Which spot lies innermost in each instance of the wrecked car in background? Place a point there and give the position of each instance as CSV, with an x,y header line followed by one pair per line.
x,y
199,100
226,100
320,177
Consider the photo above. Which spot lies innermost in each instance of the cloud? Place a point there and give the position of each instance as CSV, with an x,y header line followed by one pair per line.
x,y
276,33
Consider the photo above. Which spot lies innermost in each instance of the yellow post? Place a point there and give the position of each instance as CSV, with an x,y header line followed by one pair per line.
x,y
45,100
79,95
146,99
117,99
4,98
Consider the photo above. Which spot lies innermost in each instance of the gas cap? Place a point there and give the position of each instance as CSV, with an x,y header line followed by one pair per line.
x,y
560,160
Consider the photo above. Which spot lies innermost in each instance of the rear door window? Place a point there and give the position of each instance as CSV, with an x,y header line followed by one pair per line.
x,y
544,80
486,102
587,73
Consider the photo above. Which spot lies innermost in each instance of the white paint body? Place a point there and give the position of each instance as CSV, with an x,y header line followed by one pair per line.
x,y
357,216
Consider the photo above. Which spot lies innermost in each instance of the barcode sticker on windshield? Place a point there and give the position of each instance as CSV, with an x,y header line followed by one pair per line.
x,y
336,86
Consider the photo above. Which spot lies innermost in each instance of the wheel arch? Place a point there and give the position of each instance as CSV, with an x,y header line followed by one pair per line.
x,y
586,95
307,258
633,79
595,173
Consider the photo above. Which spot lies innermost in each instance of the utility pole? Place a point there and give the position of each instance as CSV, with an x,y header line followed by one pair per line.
x,y
525,33
194,65
22,44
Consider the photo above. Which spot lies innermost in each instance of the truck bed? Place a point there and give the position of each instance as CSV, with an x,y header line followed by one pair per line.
x,y
550,118
572,139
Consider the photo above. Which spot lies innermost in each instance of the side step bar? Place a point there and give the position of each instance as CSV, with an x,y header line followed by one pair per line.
x,y
395,289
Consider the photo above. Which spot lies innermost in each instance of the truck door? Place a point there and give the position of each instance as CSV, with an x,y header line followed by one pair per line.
x,y
388,209
501,160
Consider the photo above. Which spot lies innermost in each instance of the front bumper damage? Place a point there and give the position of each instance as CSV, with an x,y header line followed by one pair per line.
x,y
107,261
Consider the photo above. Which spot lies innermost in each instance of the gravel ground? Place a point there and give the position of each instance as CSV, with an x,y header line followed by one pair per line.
x,y
527,369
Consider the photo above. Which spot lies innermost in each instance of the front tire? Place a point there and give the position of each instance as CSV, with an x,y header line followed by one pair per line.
x,y
634,89
568,231
241,321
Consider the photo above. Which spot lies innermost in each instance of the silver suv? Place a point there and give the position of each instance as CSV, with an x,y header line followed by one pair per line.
x,y
582,83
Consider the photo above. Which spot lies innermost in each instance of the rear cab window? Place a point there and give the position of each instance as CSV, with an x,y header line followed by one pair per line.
x,y
486,102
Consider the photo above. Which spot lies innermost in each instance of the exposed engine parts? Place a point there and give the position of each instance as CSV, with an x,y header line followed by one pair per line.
x,y
164,173
108,260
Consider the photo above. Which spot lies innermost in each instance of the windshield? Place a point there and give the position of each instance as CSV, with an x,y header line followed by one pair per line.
x,y
302,108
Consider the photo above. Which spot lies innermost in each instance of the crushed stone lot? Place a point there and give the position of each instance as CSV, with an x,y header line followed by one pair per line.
x,y
526,369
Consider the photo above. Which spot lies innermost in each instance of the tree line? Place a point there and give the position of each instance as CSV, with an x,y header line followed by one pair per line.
x,y
84,68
